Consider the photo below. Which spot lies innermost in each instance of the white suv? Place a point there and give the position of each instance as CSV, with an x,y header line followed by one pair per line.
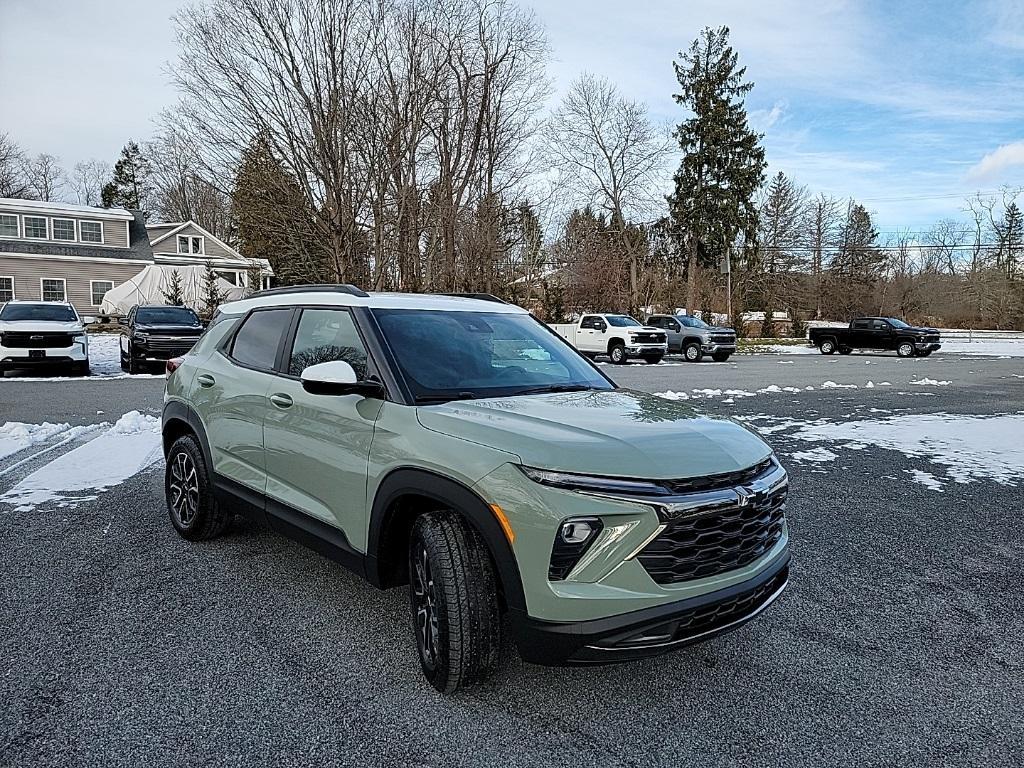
x,y
43,333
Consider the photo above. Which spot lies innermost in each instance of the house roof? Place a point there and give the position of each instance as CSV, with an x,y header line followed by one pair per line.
x,y
138,245
42,207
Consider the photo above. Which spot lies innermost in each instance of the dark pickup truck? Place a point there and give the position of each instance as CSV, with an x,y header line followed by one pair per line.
x,y
882,333
155,333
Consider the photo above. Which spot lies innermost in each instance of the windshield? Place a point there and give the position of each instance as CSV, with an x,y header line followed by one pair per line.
x,y
896,323
166,316
57,313
693,322
462,355
621,321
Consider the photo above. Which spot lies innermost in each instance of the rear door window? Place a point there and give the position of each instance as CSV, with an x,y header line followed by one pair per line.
x,y
256,343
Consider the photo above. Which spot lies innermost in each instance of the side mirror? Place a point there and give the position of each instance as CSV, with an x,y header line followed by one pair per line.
x,y
337,378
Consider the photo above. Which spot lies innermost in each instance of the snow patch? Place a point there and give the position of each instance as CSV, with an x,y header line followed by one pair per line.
x,y
17,436
815,455
932,382
927,479
833,385
131,445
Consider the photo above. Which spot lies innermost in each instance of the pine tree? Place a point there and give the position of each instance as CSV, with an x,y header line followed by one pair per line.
x,y
174,295
723,162
858,264
213,297
1011,240
131,186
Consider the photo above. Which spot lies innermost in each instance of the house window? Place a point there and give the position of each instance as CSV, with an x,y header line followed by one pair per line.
x,y
6,289
35,226
190,244
63,229
8,225
97,288
226,274
53,289
90,231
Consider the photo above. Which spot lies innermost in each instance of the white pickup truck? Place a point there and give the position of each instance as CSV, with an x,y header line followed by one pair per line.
x,y
618,336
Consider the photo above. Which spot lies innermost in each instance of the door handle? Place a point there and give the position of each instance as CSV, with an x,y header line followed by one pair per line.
x,y
205,380
281,401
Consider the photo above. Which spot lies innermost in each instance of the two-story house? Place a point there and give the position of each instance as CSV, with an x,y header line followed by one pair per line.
x,y
63,252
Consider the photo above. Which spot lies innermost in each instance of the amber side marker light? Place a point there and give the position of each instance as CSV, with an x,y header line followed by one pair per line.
x,y
506,526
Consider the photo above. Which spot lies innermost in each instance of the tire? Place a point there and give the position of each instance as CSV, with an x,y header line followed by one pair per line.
x,y
925,354
845,351
454,601
617,353
721,357
194,511
827,347
693,353
653,359
905,349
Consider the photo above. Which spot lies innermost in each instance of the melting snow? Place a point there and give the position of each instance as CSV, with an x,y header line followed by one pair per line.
x,y
125,449
833,385
814,455
927,479
16,436
932,382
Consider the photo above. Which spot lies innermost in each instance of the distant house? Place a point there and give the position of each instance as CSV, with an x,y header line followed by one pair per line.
x,y
62,252
186,243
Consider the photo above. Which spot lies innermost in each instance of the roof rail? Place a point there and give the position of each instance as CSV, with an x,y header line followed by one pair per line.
x,y
311,288
479,296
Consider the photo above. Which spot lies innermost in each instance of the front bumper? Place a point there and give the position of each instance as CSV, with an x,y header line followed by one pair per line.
x,y
646,350
927,346
652,631
711,348
17,357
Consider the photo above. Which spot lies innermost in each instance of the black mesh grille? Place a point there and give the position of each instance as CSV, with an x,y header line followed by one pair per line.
x,y
718,615
723,338
649,338
705,543
37,340
714,482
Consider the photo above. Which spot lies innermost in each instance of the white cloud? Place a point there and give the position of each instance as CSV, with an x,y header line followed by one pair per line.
x,y
763,119
992,165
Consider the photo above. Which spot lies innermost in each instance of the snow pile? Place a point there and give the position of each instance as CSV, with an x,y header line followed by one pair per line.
x,y
785,349
833,385
970,448
125,449
927,479
17,436
932,382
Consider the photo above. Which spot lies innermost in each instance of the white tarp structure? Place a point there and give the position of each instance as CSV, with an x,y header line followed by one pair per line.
x,y
149,285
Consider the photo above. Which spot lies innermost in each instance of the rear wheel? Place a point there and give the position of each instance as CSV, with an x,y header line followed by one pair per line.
x,y
720,357
905,349
618,354
454,600
693,352
195,513
827,347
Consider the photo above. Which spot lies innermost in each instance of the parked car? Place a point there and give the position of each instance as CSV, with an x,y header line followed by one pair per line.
x,y
154,333
458,446
618,336
37,334
693,338
882,333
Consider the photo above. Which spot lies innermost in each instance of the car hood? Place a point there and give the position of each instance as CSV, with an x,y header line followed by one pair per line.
x,y
719,329
615,433
916,329
42,326
177,330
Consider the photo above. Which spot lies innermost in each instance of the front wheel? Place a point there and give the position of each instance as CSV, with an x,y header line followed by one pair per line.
x,y
194,512
693,352
926,353
454,599
720,357
905,349
618,354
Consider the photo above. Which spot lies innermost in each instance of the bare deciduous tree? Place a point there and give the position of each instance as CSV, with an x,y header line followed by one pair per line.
x,y
45,177
12,169
88,179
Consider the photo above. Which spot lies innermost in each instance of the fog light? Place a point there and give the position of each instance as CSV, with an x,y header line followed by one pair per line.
x,y
576,531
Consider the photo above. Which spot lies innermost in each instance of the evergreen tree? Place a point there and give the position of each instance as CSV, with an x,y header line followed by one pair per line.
x,y
723,162
273,220
1011,240
213,297
858,264
174,295
131,186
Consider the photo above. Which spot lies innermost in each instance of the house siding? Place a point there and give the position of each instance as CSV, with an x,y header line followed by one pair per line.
x,y
76,274
169,247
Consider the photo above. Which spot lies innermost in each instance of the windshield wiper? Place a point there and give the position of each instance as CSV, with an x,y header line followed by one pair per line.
x,y
428,399
556,388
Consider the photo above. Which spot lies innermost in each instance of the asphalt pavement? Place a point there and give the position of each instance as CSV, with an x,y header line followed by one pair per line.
x,y
899,641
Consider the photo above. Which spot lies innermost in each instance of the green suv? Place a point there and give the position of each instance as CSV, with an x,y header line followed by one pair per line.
x,y
458,445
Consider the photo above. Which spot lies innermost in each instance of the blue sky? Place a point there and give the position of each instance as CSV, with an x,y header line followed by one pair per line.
x,y
907,105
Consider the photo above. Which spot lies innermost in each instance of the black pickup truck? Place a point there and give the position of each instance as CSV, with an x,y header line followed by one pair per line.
x,y
155,333
882,333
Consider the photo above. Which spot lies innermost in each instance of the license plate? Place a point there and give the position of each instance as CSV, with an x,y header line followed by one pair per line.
x,y
37,353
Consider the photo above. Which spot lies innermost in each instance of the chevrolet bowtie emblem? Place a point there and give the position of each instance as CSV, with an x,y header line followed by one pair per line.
x,y
743,496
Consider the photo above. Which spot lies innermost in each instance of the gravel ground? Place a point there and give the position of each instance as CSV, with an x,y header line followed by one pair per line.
x,y
898,643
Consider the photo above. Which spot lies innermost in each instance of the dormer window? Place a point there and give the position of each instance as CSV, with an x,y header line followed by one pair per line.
x,y
191,245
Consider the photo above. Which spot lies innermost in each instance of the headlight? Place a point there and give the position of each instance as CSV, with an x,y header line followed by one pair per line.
x,y
81,338
140,335
574,482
